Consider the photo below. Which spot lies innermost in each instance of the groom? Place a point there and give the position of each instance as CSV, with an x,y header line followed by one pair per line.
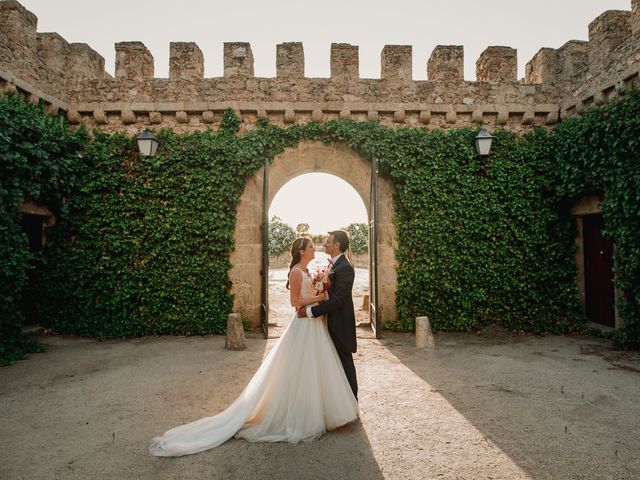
x,y
341,318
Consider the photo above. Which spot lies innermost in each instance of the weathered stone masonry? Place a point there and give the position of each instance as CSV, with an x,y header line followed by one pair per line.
x,y
71,77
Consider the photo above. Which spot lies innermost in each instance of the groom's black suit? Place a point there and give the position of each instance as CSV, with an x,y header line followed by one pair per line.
x,y
341,318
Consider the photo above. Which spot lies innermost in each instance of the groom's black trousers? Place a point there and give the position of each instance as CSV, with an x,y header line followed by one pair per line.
x,y
350,369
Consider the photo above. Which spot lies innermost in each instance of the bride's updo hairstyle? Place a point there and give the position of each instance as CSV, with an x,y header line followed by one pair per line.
x,y
298,244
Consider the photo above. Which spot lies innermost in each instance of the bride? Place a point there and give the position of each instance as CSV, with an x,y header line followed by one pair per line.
x,y
299,392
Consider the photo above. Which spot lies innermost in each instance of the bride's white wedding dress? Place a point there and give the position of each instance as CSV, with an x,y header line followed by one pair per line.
x,y
299,392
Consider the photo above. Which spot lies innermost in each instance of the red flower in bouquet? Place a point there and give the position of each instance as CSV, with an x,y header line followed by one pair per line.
x,y
320,279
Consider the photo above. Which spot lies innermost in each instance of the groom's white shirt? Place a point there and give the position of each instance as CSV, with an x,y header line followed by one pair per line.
x,y
333,262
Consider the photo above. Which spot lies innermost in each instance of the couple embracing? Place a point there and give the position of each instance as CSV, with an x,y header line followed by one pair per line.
x,y
307,383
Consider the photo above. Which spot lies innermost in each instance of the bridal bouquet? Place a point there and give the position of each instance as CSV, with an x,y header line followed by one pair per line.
x,y
320,279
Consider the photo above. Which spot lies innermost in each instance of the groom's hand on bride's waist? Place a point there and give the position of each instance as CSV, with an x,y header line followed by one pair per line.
x,y
302,312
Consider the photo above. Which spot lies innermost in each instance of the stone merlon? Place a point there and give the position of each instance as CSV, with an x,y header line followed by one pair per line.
x,y
446,63
290,60
133,61
397,63
607,32
497,64
186,61
345,62
18,28
238,59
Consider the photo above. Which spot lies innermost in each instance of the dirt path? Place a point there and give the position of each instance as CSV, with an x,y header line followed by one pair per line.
x,y
476,407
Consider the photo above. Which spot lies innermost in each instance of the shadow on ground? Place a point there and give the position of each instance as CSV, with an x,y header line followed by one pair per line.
x,y
88,409
559,407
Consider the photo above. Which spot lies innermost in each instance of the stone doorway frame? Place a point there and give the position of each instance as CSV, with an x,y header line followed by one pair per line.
x,y
310,157
590,205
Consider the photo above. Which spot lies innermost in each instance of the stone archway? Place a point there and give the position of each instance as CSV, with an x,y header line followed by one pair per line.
x,y
310,157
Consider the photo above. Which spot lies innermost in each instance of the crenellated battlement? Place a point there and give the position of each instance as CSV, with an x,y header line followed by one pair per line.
x,y
558,82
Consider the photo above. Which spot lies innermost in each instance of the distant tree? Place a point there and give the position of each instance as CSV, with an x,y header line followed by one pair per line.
x,y
358,237
303,229
281,236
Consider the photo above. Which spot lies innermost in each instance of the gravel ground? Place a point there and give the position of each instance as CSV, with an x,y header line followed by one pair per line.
x,y
482,406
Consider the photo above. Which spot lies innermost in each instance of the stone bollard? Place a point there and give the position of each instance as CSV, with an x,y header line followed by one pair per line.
x,y
235,333
365,302
424,337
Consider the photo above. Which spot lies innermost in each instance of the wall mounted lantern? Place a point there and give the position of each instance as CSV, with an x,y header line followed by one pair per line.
x,y
147,143
483,143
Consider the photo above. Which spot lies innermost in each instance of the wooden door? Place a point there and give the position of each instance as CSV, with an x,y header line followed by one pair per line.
x,y
598,272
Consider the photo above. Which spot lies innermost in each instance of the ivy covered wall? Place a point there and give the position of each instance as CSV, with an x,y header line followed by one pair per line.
x,y
142,244
599,153
39,160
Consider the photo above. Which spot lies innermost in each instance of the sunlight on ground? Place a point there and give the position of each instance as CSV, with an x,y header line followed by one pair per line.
x,y
448,445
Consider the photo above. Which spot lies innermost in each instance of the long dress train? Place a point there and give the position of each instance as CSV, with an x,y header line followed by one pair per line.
x,y
299,392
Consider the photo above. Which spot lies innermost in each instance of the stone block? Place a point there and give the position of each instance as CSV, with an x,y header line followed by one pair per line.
x,y
543,67
424,336
52,109
238,59
425,117
186,61
133,61
345,114
497,64
397,63
53,50
372,115
9,88
345,62
155,118
607,32
503,116
289,116
85,62
127,117
235,333
182,117
73,116
317,115
208,116
100,117
290,60
446,63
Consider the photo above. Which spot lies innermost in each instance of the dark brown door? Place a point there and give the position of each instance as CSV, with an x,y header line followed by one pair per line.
x,y
598,272
32,225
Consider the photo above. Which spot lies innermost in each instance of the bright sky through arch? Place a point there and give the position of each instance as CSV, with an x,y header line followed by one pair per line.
x,y
324,201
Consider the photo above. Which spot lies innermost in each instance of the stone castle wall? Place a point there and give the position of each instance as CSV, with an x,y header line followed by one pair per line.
x,y
70,77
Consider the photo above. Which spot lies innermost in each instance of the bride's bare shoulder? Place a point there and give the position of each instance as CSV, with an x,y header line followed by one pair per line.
x,y
295,272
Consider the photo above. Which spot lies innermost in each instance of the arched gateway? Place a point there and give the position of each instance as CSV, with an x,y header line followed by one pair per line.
x,y
309,157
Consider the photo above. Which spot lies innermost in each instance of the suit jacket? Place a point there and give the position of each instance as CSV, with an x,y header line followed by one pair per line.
x,y
341,317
